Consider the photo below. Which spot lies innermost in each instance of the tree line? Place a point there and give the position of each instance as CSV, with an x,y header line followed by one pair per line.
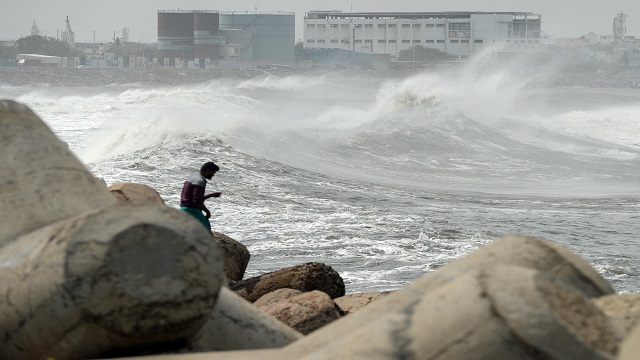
x,y
44,45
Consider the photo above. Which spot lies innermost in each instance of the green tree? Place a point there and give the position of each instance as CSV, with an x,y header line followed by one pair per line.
x,y
424,54
36,44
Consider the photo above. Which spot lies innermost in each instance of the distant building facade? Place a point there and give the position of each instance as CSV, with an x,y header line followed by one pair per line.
x,y
203,38
455,33
269,36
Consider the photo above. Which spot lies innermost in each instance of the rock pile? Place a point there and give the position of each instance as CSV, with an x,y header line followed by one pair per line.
x,y
91,272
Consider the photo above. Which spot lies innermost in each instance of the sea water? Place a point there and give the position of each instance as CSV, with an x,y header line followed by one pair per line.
x,y
384,177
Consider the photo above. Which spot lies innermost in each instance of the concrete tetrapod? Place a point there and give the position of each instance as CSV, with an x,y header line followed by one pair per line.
x,y
630,349
116,277
235,324
41,181
502,312
524,251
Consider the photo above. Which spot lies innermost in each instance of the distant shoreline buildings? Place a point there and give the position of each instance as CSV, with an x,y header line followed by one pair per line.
x,y
457,33
256,39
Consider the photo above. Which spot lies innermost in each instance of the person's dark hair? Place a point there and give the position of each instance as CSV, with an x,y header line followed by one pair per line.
x,y
210,166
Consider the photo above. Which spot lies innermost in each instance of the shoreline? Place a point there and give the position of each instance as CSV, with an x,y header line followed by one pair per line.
x,y
71,77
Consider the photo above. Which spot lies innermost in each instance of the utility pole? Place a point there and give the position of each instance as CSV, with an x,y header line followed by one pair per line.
x,y
94,37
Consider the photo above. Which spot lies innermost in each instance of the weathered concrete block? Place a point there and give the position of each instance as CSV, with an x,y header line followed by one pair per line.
x,y
112,278
130,193
524,251
235,324
236,256
630,348
305,277
306,312
501,312
352,302
623,310
41,181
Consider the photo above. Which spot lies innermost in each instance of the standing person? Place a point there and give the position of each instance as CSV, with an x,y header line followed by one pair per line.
x,y
193,197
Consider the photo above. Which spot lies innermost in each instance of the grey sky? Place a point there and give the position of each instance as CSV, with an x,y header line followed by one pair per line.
x,y
562,18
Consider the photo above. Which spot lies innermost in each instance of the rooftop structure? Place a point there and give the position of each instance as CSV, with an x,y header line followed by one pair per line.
x,y
458,33
68,35
34,28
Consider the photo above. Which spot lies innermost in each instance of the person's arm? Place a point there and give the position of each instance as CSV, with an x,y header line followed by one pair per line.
x,y
215,194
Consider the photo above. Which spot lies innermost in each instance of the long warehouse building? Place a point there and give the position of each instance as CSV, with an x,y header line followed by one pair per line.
x,y
456,33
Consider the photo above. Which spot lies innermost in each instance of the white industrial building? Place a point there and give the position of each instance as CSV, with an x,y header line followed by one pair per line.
x,y
456,33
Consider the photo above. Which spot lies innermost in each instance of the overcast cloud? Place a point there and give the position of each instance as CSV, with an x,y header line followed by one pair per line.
x,y
562,18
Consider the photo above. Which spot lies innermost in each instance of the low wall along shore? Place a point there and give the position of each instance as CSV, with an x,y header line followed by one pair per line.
x,y
95,272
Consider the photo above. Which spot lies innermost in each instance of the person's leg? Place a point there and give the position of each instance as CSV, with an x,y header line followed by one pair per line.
x,y
197,213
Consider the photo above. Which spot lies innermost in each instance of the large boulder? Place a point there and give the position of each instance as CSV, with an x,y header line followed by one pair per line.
x,y
305,312
131,193
236,256
276,296
304,277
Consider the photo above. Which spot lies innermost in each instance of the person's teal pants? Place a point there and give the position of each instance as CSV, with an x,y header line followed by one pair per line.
x,y
197,213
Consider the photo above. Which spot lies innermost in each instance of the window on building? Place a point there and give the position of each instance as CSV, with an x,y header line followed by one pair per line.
x,y
416,41
344,26
357,25
311,41
392,25
459,26
429,41
429,25
344,41
406,25
381,25
453,41
381,41
406,41
311,26
368,26
334,25
465,41
322,26
440,41
478,41
368,41
334,41
416,25
320,41
392,41
358,41
439,25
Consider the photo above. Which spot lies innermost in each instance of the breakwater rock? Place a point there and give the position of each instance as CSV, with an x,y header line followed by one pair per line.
x,y
87,276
